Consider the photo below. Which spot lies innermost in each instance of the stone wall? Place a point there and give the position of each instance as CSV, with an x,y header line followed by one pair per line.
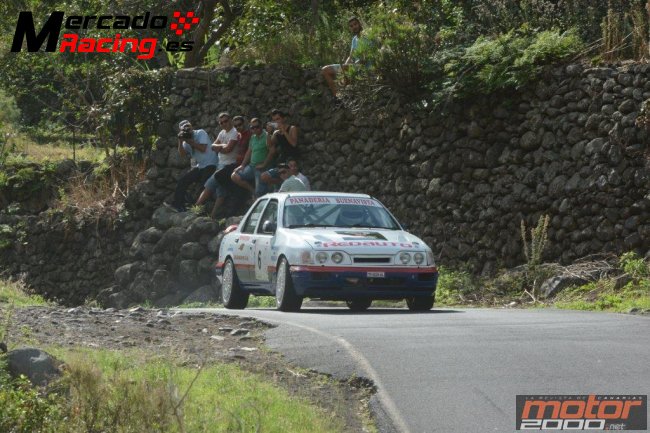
x,y
465,178
64,258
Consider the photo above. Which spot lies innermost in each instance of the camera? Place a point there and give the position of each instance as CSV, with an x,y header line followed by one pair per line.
x,y
185,133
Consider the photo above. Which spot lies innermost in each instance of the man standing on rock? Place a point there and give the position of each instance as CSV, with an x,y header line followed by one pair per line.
x,y
196,144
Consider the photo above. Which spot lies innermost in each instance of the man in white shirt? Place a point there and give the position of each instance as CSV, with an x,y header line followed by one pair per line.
x,y
196,145
290,182
294,169
225,146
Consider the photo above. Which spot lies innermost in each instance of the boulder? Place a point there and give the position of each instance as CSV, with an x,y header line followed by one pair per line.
x,y
555,285
37,365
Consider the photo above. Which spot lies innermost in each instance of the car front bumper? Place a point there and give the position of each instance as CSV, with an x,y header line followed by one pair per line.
x,y
347,282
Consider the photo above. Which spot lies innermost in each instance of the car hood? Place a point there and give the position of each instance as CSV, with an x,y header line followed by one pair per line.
x,y
359,239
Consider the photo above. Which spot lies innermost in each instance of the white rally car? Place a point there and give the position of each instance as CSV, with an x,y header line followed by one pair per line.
x,y
325,245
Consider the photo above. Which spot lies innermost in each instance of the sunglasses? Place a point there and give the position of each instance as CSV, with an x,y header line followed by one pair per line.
x,y
256,126
221,122
238,125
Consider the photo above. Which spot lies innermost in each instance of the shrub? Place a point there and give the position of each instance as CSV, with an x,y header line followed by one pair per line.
x,y
509,60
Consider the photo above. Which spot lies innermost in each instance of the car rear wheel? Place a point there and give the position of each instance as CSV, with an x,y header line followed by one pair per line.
x,y
420,303
232,296
359,304
286,298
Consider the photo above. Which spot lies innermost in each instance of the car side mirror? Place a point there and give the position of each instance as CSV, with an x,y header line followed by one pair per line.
x,y
269,227
405,227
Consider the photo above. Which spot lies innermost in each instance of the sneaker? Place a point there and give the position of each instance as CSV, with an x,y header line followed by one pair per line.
x,y
171,207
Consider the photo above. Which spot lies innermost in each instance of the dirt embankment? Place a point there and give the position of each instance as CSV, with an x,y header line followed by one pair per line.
x,y
190,338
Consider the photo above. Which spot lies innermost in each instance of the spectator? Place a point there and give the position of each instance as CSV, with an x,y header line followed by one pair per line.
x,y
243,138
257,158
290,182
196,144
294,169
225,145
331,71
283,141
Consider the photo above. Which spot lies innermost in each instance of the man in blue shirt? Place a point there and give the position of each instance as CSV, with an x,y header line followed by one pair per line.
x,y
330,71
196,144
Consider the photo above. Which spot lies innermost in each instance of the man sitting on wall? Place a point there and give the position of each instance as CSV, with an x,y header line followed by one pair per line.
x,y
257,158
196,144
225,146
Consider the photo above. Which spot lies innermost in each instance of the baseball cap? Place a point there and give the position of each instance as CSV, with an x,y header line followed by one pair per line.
x,y
183,123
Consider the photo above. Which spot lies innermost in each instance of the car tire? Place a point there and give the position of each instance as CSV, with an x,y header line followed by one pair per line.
x,y
420,303
286,298
359,304
232,296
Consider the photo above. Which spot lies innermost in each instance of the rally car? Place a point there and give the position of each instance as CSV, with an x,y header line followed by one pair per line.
x,y
325,245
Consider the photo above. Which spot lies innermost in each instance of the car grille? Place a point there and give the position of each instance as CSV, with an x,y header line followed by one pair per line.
x,y
371,259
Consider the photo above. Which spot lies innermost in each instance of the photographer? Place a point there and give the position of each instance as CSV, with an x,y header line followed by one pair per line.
x,y
196,144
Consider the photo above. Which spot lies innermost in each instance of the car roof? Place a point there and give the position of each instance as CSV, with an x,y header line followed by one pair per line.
x,y
283,195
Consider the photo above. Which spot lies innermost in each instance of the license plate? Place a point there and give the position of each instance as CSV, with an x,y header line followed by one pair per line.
x,y
376,275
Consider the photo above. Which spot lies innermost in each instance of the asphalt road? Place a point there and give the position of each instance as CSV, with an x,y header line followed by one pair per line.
x,y
459,370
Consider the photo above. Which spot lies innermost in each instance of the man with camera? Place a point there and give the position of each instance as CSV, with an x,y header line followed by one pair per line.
x,y
196,144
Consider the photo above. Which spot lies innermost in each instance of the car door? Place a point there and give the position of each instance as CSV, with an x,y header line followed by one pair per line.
x,y
244,254
264,244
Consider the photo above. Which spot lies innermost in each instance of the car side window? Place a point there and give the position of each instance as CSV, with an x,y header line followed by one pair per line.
x,y
254,217
270,214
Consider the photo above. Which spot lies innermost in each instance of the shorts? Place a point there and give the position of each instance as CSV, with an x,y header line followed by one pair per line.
x,y
252,175
215,187
274,173
336,67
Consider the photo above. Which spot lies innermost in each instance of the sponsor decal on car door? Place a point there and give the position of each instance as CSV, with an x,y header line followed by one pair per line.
x,y
263,246
244,253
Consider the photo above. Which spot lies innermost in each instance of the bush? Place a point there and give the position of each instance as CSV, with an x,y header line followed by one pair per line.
x,y
510,60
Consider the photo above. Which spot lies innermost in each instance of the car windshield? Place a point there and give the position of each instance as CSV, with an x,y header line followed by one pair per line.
x,y
349,212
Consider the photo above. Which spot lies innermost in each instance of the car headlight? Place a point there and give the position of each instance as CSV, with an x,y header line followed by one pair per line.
x,y
404,258
337,258
306,258
418,258
321,257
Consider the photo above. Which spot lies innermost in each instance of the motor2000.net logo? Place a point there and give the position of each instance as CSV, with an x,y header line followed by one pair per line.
x,y
50,33
582,412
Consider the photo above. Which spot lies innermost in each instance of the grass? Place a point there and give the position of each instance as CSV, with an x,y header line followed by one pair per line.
x,y
603,295
133,391
55,151
16,293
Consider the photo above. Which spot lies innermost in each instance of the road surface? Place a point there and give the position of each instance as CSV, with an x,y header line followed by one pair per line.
x,y
459,370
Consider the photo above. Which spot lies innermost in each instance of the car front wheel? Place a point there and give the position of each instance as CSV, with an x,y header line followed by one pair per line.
x,y
232,296
286,298
359,304
420,303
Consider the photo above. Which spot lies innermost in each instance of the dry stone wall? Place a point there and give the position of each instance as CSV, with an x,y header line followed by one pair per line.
x,y
464,177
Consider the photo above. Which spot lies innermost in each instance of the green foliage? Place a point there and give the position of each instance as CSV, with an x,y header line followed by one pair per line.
x,y
454,286
116,392
24,409
16,292
509,60
634,266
